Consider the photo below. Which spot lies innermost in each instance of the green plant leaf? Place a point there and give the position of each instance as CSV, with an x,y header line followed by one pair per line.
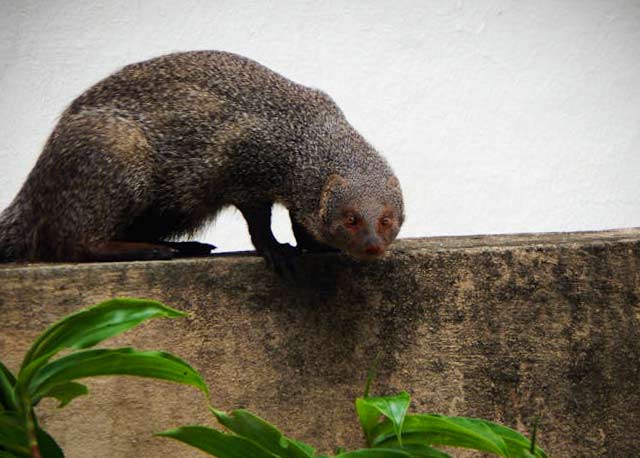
x,y
122,361
8,399
424,451
308,449
91,326
442,430
393,407
66,392
375,453
4,454
216,443
433,429
48,446
13,434
369,418
252,427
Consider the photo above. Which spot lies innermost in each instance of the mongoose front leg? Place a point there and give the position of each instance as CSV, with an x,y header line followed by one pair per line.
x,y
306,241
279,256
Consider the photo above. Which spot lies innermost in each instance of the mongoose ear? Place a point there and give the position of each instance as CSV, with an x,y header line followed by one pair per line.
x,y
333,183
393,182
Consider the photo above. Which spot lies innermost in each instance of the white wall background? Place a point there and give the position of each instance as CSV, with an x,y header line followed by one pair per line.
x,y
498,116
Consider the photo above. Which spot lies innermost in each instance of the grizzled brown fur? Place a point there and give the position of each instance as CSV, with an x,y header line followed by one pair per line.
x,y
155,150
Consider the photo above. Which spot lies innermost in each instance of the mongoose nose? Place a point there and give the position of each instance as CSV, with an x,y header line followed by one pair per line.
x,y
373,250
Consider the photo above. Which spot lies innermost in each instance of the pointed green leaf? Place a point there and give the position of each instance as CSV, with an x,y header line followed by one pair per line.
x,y
252,427
216,443
48,446
66,392
8,399
13,434
91,326
306,448
433,429
369,418
393,407
122,361
375,453
442,430
424,451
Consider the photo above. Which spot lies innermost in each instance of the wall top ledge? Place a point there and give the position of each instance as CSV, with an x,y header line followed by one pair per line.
x,y
494,242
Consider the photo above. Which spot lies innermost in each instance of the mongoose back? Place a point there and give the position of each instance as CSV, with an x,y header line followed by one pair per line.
x,y
155,150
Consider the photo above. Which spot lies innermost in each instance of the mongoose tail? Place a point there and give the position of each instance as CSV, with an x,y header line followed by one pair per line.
x,y
13,235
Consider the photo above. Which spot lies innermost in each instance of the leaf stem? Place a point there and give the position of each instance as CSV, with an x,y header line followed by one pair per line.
x,y
371,374
533,435
31,431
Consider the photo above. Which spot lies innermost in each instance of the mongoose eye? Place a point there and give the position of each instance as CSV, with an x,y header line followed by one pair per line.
x,y
385,221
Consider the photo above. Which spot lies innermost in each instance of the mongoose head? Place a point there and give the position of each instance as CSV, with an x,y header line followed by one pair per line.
x,y
359,216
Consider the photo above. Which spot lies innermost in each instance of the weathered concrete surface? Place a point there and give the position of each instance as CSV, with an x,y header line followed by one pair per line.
x,y
501,327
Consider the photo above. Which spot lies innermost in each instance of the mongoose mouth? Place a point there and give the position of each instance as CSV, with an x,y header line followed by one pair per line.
x,y
369,253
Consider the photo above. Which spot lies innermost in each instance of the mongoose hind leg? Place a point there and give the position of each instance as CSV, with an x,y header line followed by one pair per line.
x,y
91,180
280,257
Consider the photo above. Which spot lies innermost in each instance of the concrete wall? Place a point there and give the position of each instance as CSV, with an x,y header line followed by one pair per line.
x,y
499,116
504,328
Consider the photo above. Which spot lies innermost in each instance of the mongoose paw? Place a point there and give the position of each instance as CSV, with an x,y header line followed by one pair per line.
x,y
319,248
189,249
158,253
281,258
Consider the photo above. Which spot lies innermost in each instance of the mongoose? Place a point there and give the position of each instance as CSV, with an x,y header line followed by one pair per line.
x,y
155,150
